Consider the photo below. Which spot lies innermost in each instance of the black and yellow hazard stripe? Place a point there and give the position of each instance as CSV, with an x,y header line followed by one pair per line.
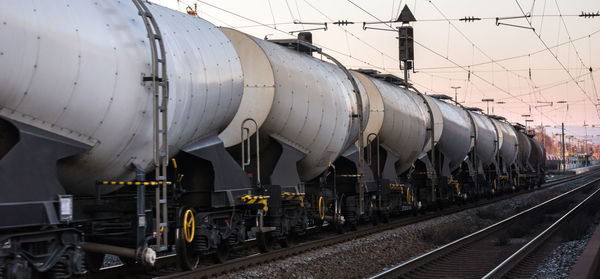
x,y
133,183
397,187
293,196
251,199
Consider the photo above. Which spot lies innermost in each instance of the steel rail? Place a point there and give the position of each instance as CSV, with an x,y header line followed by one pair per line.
x,y
428,257
240,263
512,261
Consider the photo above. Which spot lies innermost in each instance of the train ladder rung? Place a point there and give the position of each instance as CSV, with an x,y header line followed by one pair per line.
x,y
157,37
159,60
162,178
161,109
162,201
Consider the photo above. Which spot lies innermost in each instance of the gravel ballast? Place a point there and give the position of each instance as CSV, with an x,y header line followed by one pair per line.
x,y
372,254
565,256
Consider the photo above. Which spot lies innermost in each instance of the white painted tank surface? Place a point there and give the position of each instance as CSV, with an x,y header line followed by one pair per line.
x,y
524,149
312,104
538,154
403,125
75,68
508,145
486,139
425,103
455,142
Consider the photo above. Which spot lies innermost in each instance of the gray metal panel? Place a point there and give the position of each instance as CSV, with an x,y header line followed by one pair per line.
x,y
455,142
509,146
524,149
538,155
485,145
75,69
403,131
259,86
373,101
312,107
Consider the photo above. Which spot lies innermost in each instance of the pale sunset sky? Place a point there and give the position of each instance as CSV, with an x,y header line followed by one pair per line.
x,y
559,51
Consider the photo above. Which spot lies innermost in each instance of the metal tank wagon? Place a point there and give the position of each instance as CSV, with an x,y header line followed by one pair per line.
x,y
260,139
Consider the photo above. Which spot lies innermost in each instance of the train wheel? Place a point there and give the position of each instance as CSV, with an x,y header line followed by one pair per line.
x,y
373,213
188,259
288,241
93,261
222,253
339,228
354,225
264,241
385,217
374,219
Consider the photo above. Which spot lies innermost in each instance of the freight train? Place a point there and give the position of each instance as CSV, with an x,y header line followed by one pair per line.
x,y
129,129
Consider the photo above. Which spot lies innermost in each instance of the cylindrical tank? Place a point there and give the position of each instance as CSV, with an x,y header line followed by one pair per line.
x,y
538,155
486,139
403,127
524,150
455,142
311,106
76,69
508,143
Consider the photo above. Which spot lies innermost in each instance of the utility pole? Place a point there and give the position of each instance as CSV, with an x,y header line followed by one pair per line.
x,y
455,93
488,104
563,146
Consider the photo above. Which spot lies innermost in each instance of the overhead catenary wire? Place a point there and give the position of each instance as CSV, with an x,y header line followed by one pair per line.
x,y
558,60
272,14
286,33
493,61
569,34
332,50
518,56
451,61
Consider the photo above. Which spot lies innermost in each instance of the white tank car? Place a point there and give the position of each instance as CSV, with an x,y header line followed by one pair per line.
x,y
538,155
397,118
524,150
295,98
486,139
509,145
75,68
455,142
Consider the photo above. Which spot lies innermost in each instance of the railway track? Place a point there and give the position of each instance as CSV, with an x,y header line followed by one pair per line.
x,y
166,267
511,248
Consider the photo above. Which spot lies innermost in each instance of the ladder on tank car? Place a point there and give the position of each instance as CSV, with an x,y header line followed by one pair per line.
x,y
160,90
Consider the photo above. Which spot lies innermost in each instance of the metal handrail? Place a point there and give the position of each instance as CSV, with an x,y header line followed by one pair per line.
x,y
246,159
